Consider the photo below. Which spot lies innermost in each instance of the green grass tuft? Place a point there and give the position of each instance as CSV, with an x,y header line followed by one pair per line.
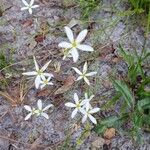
x,y
134,95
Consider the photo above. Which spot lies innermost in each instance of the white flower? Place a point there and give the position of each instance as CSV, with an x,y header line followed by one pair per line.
x,y
39,111
28,108
75,44
87,101
29,6
87,114
39,73
78,105
45,82
84,75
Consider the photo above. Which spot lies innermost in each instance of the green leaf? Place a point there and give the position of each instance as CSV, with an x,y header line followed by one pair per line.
x,y
112,102
127,57
146,119
121,87
142,103
99,129
110,120
104,124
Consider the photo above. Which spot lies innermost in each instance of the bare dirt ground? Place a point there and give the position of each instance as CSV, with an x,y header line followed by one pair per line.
x,y
23,35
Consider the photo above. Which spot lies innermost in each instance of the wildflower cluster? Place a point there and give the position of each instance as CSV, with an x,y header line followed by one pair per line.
x,y
84,107
43,78
39,111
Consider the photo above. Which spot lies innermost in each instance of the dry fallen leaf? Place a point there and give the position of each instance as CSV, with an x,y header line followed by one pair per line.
x,y
110,133
8,97
15,94
67,85
27,23
44,92
39,38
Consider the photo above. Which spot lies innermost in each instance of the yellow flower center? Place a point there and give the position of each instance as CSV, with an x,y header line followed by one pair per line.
x,y
74,44
39,72
37,111
78,105
45,81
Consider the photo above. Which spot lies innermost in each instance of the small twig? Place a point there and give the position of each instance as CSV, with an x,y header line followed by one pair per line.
x,y
12,140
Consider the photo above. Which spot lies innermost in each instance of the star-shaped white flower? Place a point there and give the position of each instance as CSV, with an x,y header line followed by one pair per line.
x,y
29,6
39,111
75,44
78,105
87,112
39,73
84,75
28,108
87,101
45,82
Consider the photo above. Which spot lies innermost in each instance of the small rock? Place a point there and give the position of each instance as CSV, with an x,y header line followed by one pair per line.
x,y
98,143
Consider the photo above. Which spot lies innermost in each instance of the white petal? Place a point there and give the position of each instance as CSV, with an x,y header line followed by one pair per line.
x,y
94,110
69,34
39,104
85,48
70,104
31,2
30,11
43,78
49,78
32,73
75,54
48,75
35,6
50,83
88,105
92,119
76,99
36,64
74,113
25,3
86,80
28,108
65,45
82,110
77,70
45,115
85,68
47,107
28,116
86,96
24,8
37,82
91,73
42,75
45,66
83,102
84,118
91,97
42,86
81,36
79,78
